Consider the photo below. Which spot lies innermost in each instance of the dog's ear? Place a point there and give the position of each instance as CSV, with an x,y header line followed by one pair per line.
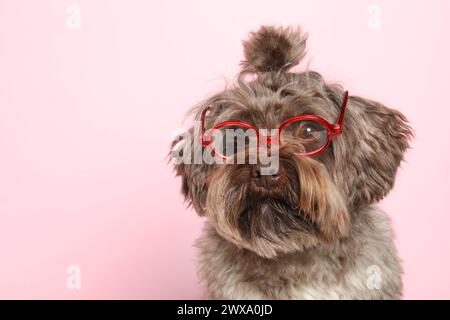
x,y
370,149
273,49
193,176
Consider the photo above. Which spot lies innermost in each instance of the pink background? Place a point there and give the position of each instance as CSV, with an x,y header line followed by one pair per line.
x,y
86,117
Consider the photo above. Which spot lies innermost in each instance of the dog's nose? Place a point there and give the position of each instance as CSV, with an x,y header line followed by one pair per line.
x,y
264,178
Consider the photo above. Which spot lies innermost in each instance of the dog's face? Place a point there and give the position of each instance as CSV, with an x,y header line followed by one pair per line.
x,y
309,200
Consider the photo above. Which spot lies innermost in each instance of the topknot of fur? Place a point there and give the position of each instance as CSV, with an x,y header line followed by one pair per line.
x,y
273,49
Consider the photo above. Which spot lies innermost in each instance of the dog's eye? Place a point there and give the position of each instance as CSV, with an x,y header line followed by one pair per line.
x,y
312,135
309,130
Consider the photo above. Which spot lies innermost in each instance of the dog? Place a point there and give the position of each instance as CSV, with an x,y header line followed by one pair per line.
x,y
310,229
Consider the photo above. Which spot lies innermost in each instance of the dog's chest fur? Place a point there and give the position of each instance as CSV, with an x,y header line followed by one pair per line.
x,y
364,265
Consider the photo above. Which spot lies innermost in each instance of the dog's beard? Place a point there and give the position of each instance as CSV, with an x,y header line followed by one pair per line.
x,y
302,210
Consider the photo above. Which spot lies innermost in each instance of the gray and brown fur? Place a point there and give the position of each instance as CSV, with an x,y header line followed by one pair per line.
x,y
315,233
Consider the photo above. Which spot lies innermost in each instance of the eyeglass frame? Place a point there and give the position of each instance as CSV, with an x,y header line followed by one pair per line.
x,y
333,130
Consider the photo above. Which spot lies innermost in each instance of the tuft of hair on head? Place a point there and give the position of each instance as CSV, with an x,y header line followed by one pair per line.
x,y
273,49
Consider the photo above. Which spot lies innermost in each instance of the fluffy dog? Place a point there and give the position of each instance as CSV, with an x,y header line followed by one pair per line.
x,y
310,230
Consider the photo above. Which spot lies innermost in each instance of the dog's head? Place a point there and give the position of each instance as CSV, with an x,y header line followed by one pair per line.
x,y
308,200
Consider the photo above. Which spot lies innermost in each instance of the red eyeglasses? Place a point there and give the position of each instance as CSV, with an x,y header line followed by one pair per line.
x,y
313,133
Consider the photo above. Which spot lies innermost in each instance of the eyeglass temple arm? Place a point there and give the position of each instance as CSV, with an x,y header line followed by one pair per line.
x,y
338,125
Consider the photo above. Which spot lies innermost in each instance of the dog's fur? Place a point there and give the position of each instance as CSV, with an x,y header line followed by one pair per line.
x,y
316,233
